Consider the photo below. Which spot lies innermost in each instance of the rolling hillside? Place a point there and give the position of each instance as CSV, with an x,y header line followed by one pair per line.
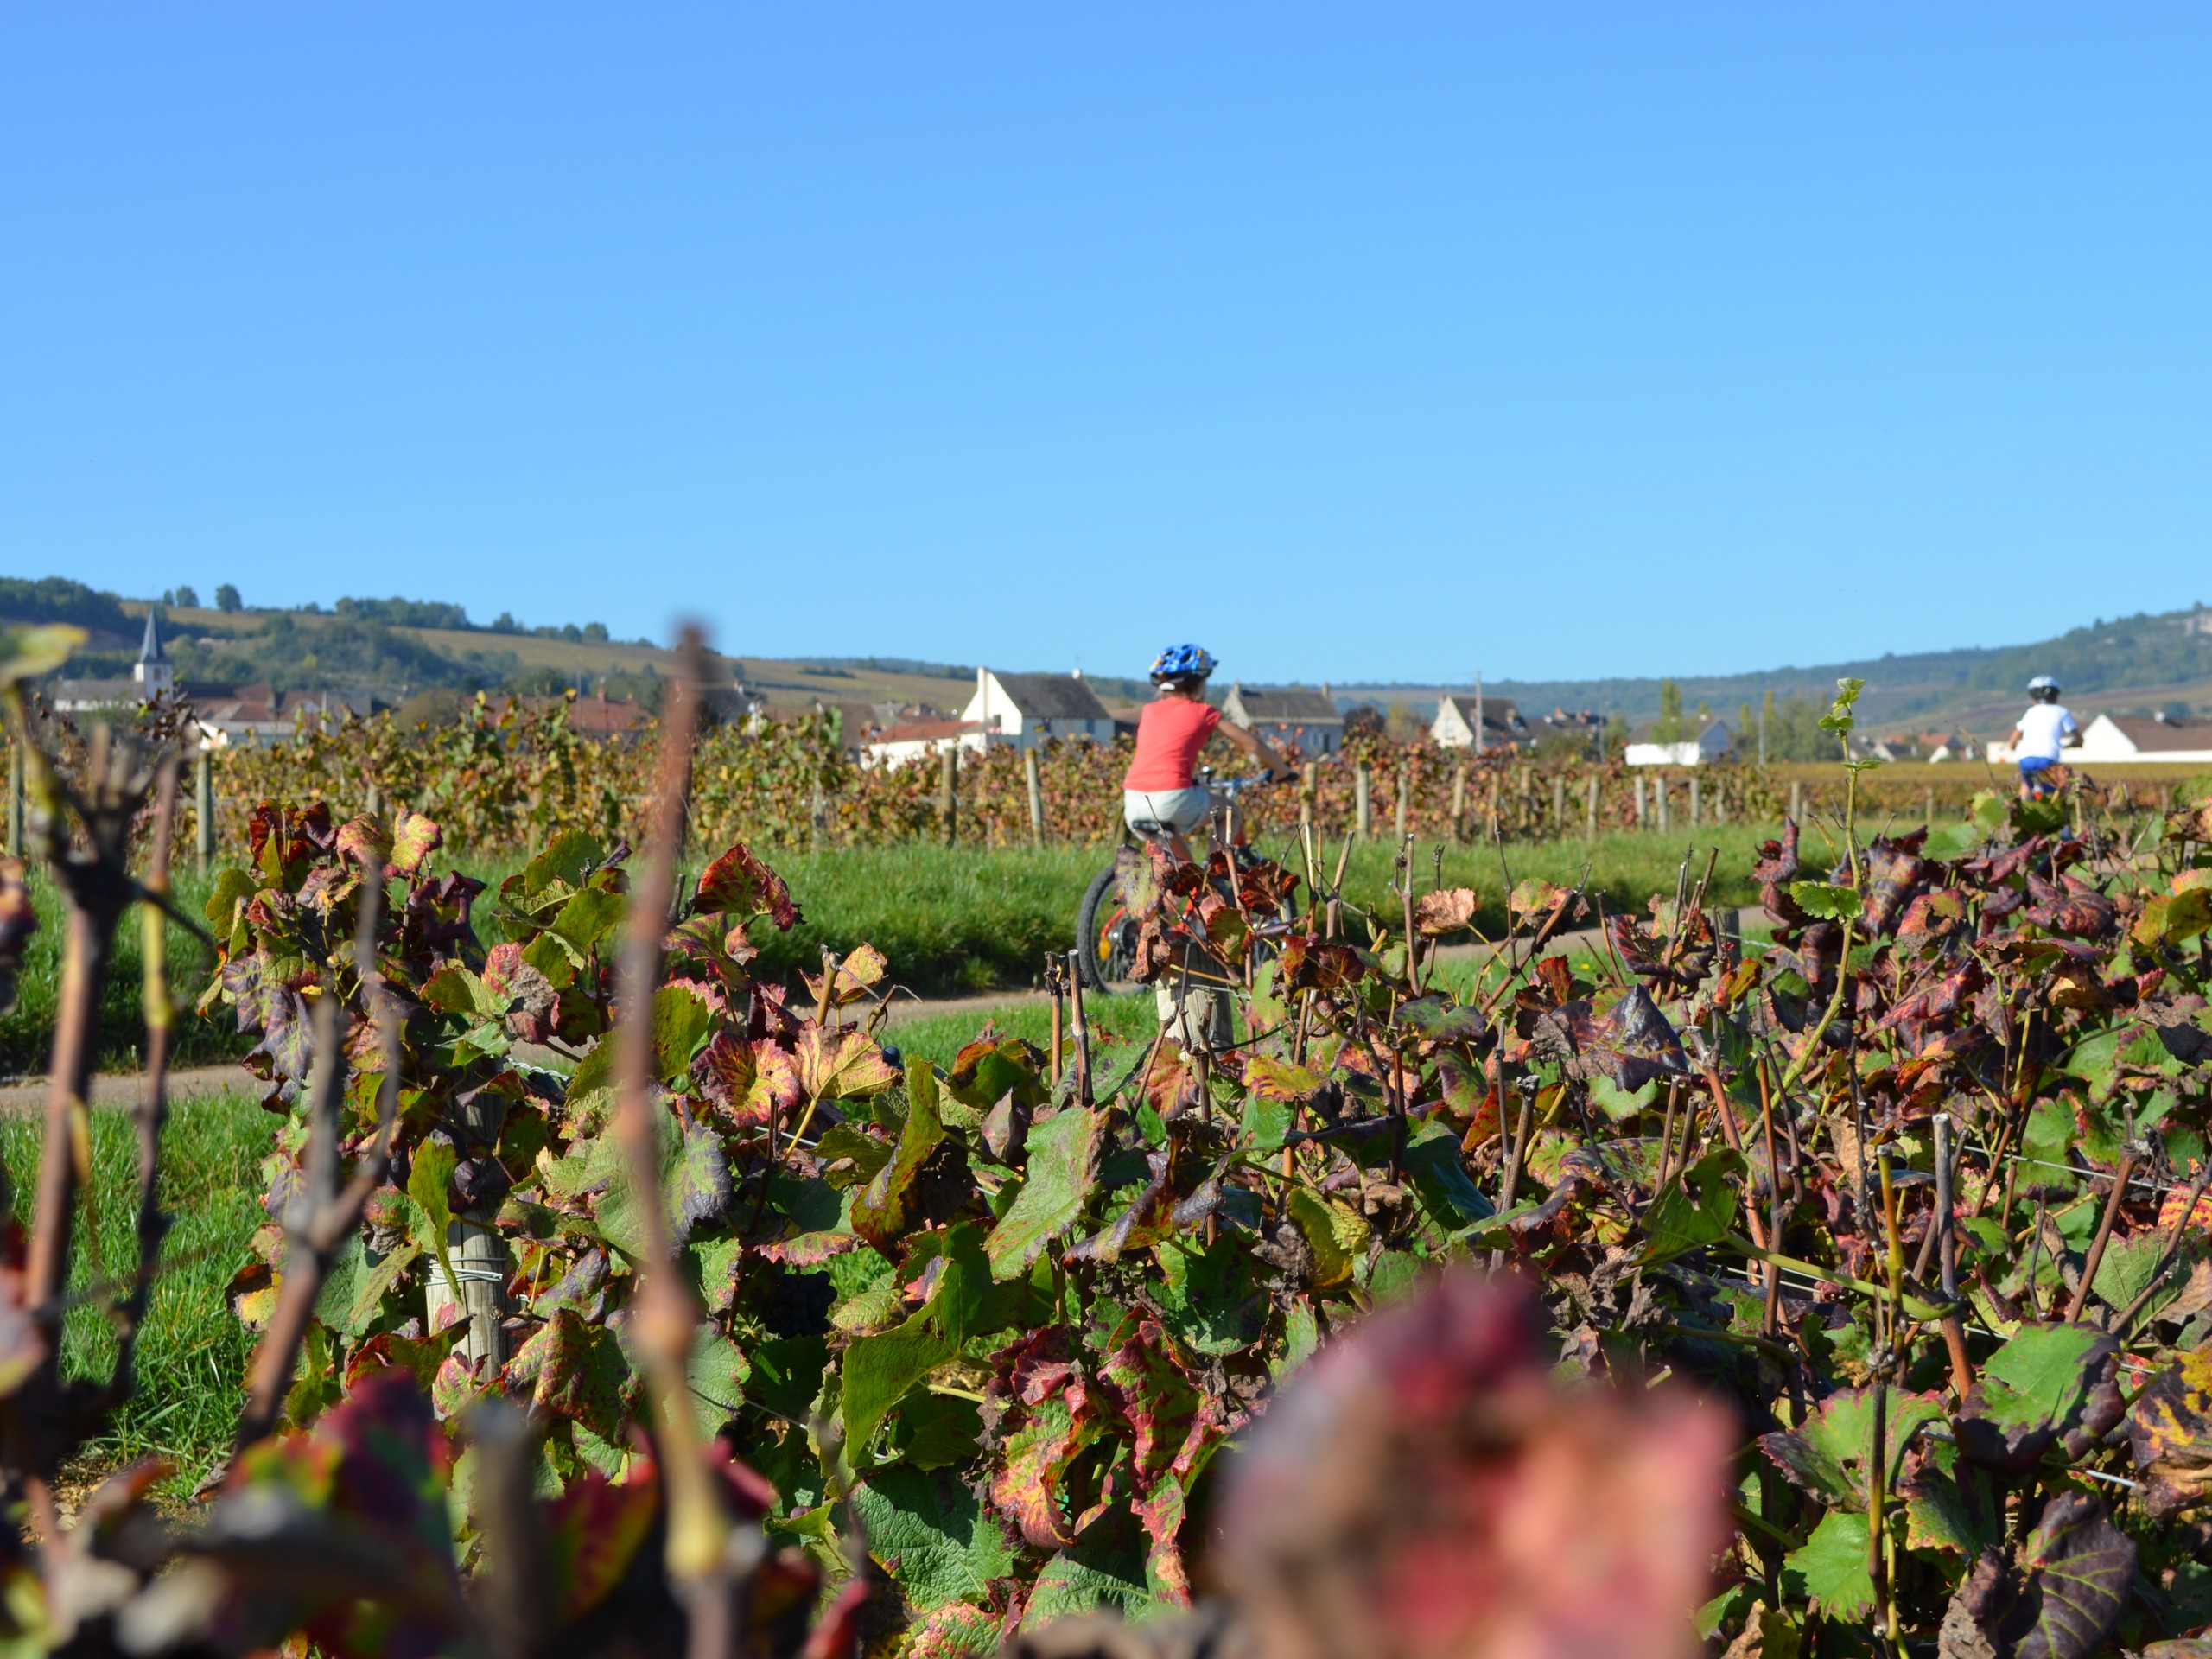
x,y
2129,663
2138,662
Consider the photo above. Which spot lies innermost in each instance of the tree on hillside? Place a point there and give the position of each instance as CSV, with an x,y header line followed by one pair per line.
x,y
1670,727
188,596
227,600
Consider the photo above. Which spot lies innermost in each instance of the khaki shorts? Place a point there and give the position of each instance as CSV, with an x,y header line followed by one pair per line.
x,y
1157,813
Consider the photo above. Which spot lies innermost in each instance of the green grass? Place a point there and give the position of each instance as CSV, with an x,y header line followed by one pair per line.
x,y
950,920
193,1353
1118,1024
27,1032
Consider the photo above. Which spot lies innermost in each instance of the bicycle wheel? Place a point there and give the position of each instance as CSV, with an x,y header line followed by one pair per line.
x,y
1105,937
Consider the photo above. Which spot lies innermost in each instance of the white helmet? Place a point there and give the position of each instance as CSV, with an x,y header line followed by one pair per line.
x,y
2042,685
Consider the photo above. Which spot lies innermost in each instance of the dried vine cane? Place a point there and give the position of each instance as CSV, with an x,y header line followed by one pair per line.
x,y
84,831
153,1102
700,1535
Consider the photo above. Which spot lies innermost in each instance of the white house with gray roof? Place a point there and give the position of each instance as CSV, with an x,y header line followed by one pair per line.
x,y
1286,717
1025,709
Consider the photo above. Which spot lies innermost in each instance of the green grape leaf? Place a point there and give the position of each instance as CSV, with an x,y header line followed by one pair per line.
x,y
1825,900
929,1530
880,1370
1062,1171
429,1184
1680,1220
1827,1453
1830,1567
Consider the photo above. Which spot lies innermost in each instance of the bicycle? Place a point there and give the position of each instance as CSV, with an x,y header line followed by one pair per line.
x,y
1106,932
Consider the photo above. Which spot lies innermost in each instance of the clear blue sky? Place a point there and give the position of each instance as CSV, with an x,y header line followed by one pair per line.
x,y
1374,342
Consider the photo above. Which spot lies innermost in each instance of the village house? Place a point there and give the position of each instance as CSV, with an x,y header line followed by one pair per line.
x,y
920,740
1307,720
225,714
151,675
1456,717
1932,747
600,715
1025,709
2122,740
1714,742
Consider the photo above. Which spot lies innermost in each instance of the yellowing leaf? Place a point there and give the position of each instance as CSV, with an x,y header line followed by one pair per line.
x,y
840,1064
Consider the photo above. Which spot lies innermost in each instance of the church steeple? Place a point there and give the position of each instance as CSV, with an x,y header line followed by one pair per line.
x,y
152,671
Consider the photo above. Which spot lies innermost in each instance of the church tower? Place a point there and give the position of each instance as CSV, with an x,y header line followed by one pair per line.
x,y
152,673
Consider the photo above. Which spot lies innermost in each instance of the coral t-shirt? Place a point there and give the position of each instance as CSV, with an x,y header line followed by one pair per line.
x,y
1170,734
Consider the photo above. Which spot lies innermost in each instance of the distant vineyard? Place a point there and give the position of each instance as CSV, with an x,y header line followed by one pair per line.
x,y
505,777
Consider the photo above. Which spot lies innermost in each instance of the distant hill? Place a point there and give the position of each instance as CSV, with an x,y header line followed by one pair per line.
x,y
2148,660
398,647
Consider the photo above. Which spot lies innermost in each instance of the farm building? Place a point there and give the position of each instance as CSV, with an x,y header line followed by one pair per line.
x,y
1027,708
229,713
2119,739
920,740
1309,720
1714,743
1454,725
603,715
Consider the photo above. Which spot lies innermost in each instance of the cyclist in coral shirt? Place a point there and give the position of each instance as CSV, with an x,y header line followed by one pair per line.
x,y
1161,799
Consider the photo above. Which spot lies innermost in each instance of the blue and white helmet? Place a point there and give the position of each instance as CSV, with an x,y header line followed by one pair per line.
x,y
1182,662
2041,683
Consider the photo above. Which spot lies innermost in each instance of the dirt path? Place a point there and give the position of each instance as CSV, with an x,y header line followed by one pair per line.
x,y
122,1088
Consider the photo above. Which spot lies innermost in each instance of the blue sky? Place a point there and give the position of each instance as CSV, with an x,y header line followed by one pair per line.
x,y
1385,342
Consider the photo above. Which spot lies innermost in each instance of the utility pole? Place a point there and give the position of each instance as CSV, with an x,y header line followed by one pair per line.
x,y
1478,711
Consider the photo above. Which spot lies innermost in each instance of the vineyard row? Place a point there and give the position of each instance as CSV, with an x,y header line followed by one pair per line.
x,y
511,778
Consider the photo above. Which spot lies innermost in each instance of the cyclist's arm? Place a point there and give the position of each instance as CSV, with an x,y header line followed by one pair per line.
x,y
1255,745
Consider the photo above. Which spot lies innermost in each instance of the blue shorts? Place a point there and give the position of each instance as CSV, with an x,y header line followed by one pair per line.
x,y
2032,766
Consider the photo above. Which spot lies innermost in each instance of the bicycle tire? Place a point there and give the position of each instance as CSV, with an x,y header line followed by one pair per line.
x,y
1100,899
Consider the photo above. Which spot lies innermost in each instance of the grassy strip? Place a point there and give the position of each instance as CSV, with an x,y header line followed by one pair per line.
x,y
193,1353
27,1031
951,921
1119,1026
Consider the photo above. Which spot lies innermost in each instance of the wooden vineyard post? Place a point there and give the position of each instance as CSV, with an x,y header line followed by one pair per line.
x,y
1055,983
1032,773
948,791
1697,802
1493,805
478,1251
1797,800
1590,809
1405,799
1309,787
1558,806
1927,806
1363,782
1458,801
1640,817
1660,784
1080,1028
15,800
203,804
1720,800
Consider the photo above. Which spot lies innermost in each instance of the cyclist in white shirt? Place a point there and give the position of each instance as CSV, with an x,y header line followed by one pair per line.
x,y
2048,726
